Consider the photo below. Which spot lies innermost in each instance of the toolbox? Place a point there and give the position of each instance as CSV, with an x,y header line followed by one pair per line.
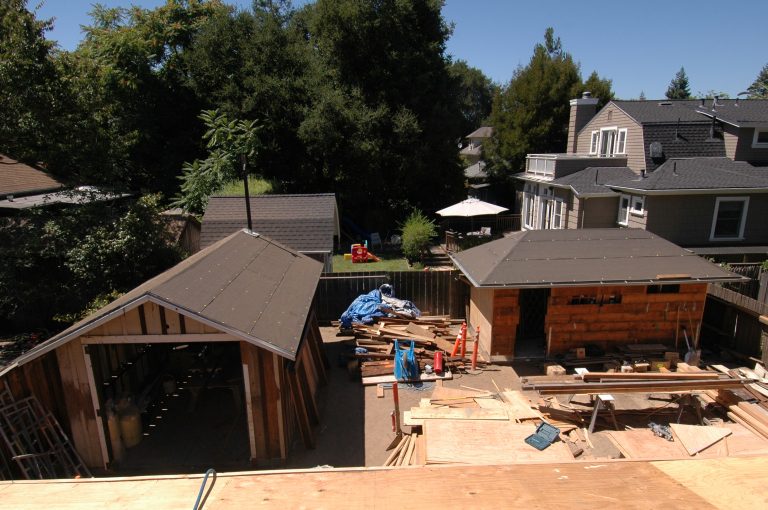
x,y
545,435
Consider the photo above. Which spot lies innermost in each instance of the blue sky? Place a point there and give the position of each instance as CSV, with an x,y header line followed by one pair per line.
x,y
640,45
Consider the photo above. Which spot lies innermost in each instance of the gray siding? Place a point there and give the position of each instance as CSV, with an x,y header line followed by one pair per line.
x,y
738,145
600,212
687,219
611,116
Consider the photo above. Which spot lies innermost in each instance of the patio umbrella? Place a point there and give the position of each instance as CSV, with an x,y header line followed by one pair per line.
x,y
471,207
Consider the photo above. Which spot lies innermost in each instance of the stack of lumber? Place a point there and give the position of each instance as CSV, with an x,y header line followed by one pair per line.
x,y
429,334
410,451
753,416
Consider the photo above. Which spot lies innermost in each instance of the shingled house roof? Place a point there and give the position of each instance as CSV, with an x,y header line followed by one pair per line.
x,y
19,179
306,223
698,174
246,285
739,113
571,258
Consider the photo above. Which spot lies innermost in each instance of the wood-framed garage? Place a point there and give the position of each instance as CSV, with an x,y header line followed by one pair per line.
x,y
245,301
561,289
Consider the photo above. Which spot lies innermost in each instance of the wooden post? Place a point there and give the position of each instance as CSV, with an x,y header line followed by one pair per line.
x,y
300,405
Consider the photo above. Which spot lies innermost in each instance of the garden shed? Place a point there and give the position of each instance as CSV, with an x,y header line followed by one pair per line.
x,y
221,354
545,292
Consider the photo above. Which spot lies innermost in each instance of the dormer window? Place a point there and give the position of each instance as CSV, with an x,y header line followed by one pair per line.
x,y
607,142
621,142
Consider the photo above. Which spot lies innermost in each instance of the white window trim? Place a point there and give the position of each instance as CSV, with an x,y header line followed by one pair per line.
x,y
529,205
615,129
635,199
742,224
621,148
625,221
755,143
594,142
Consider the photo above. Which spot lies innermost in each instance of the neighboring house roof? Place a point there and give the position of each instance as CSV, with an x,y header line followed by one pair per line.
x,y
589,182
481,132
664,111
569,258
476,171
19,179
739,113
79,195
698,174
471,150
246,285
306,223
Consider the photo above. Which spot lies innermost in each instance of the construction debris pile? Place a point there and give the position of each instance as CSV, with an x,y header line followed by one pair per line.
x,y
441,346
650,415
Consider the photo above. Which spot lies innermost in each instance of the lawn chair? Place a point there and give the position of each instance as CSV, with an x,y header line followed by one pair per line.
x,y
376,239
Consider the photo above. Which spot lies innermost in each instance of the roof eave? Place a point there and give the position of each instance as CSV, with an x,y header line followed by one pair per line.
x,y
586,283
688,191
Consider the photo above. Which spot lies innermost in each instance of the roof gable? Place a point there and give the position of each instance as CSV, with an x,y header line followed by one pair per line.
x,y
247,285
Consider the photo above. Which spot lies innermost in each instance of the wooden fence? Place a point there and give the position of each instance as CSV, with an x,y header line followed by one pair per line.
x,y
732,320
752,271
433,292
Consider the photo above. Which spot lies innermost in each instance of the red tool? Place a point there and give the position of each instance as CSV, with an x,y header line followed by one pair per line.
x,y
398,432
438,364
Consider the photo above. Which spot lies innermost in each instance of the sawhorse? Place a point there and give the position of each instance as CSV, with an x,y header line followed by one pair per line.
x,y
601,401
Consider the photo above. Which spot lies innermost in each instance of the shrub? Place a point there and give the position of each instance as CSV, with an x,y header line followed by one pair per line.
x,y
417,232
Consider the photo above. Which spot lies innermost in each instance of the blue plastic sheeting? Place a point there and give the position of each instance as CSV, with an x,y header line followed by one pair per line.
x,y
406,368
363,309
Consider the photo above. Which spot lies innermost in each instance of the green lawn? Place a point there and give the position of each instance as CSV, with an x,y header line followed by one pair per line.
x,y
389,262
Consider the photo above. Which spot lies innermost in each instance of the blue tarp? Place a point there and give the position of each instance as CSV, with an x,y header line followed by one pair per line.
x,y
363,309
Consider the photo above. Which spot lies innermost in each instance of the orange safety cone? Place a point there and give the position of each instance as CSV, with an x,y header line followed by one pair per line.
x,y
463,339
456,345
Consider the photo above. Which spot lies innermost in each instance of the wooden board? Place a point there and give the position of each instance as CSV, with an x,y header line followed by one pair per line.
x,y
486,442
454,413
695,438
367,381
519,406
682,484
643,444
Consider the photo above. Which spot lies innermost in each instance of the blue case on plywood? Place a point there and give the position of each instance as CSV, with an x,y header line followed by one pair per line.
x,y
545,435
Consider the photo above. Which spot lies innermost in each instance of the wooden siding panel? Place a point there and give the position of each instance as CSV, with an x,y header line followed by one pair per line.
x,y
481,314
639,317
611,116
83,422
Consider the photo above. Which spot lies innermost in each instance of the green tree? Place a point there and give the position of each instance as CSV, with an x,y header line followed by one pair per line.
x,y
230,143
530,114
29,83
600,88
679,87
476,92
55,260
759,87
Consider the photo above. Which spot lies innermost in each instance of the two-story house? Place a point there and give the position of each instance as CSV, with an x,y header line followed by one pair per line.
x,y
692,171
474,174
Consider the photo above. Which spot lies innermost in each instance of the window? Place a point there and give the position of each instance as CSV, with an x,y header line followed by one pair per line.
x,y
729,219
663,289
553,213
529,205
623,218
607,142
637,205
760,141
593,142
621,143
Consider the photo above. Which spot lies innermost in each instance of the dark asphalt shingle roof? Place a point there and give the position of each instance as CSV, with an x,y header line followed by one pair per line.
x,y
476,171
742,113
591,180
700,174
246,285
569,258
684,141
306,223
18,179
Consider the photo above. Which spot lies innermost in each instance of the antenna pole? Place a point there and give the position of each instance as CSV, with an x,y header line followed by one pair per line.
x,y
244,159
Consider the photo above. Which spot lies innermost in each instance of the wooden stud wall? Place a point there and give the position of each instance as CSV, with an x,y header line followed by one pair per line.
x,y
506,317
639,317
146,319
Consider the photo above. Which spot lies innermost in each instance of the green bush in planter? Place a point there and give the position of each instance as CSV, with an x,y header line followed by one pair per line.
x,y
418,231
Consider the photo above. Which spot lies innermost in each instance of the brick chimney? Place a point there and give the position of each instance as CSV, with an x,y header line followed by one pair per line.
x,y
582,111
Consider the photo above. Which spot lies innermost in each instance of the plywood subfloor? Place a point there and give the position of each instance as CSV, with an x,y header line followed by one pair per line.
x,y
486,442
680,484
